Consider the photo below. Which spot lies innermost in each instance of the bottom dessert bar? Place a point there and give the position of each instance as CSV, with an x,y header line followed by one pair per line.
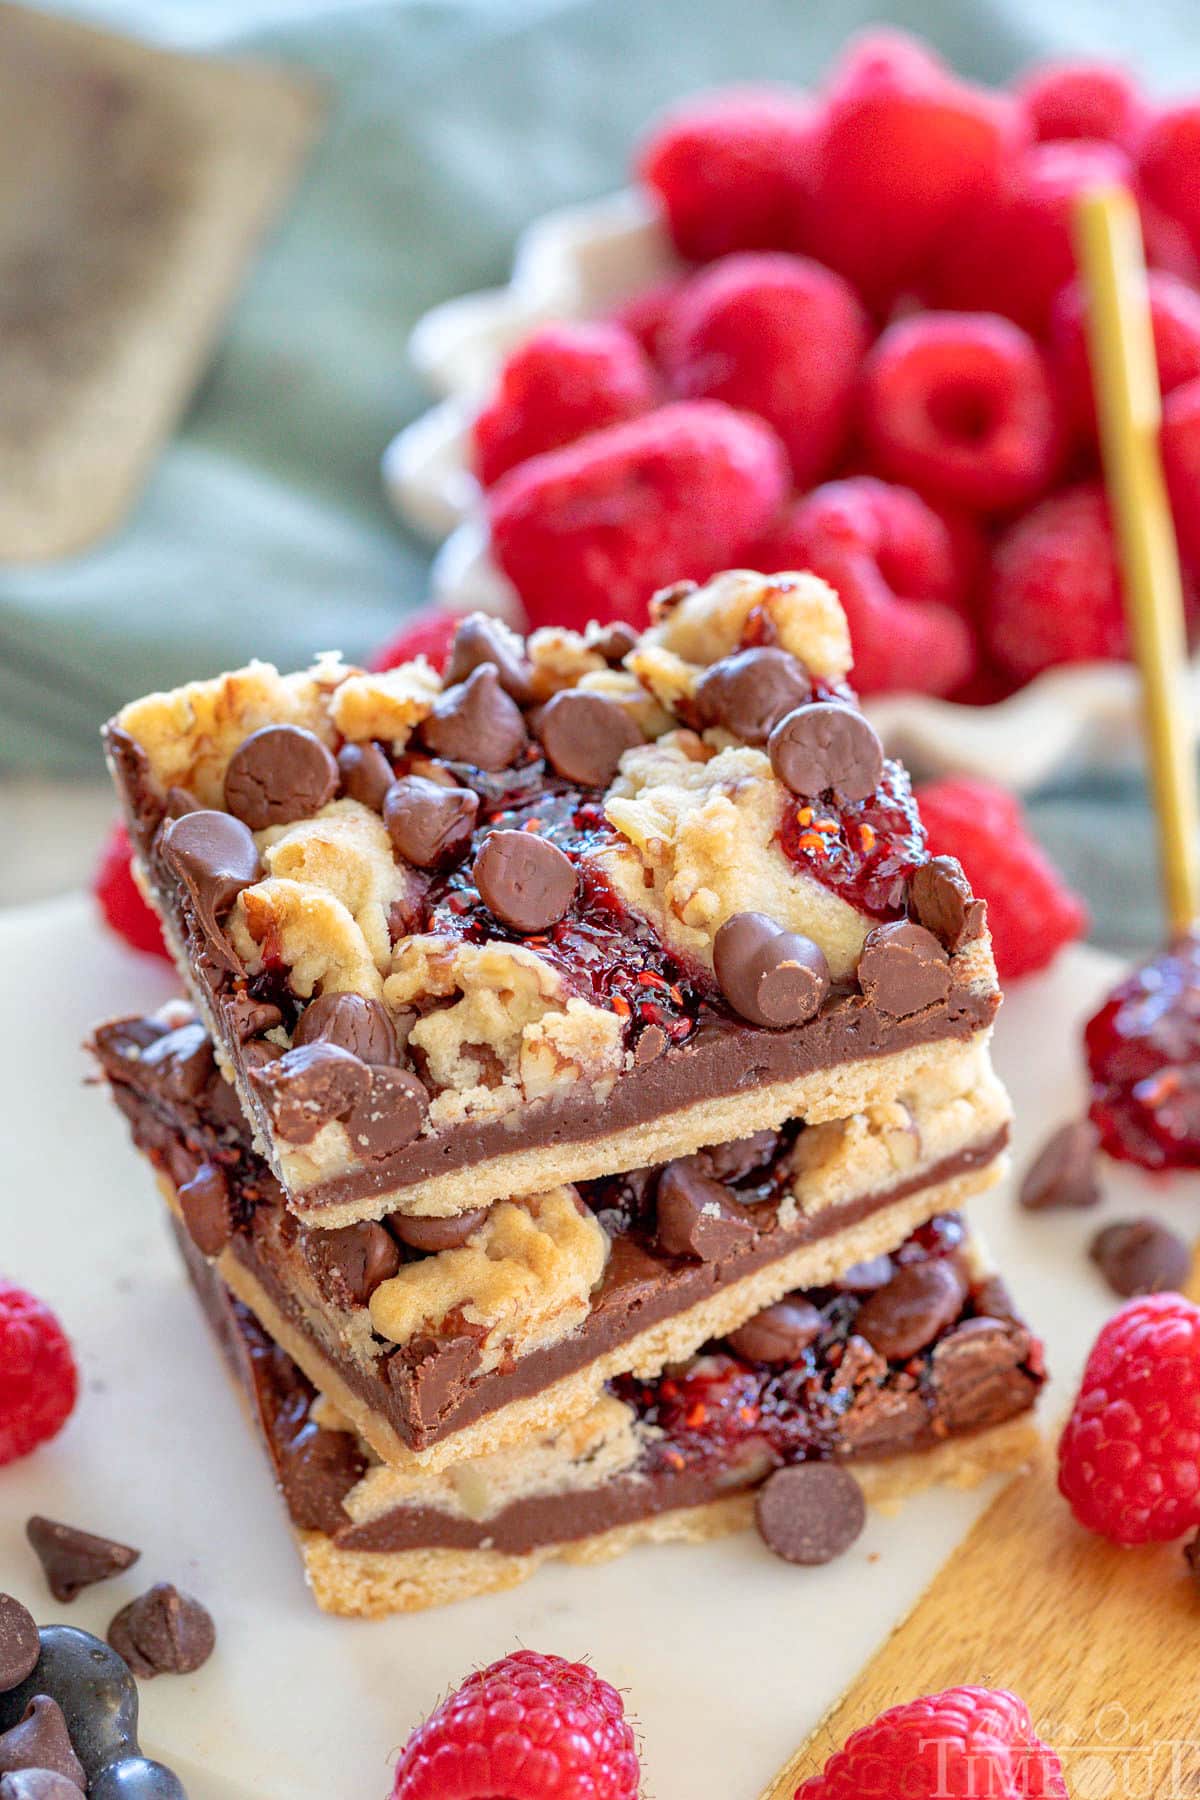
x,y
674,1459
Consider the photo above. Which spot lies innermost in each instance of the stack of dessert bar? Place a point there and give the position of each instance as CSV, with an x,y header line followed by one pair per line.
x,y
584,1070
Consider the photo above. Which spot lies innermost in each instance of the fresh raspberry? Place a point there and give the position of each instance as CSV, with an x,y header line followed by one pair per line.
x,y
562,382
1032,913
961,405
1181,461
892,562
1129,1459
530,1727
732,169
39,1382
644,315
1175,316
1054,594
1014,256
780,336
1083,99
1168,157
592,531
903,148
120,898
963,1742
429,634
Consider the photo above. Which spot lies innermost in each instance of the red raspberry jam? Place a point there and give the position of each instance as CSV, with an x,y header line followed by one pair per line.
x,y
866,850
1143,1052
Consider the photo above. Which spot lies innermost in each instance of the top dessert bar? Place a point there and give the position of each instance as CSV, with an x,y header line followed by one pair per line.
x,y
584,903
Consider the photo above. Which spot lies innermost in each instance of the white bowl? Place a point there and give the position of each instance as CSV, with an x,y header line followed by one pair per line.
x,y
583,260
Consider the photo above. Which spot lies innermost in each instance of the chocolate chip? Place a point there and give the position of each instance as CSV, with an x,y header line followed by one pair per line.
x,y
698,1217
20,1645
481,639
40,1740
389,1114
352,1022
614,642
825,746
779,1334
737,1159
308,1087
769,976
903,969
1140,1256
37,1784
864,1277
1063,1173
180,800
525,881
429,824
914,1308
977,1375
74,1559
349,1264
585,735
432,1235
810,1513
247,1017
366,774
163,1632
181,1062
476,722
215,858
278,775
317,1470
207,1209
650,1046
749,692
942,899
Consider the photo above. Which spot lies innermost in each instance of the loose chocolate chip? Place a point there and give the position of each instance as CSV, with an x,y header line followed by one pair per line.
x,y
1140,1256
278,775
389,1115
74,1559
40,1740
37,1784
350,1263
433,1235
810,1513
525,881
481,639
1063,1173
749,692
308,1087
429,824
214,857
20,1645
779,1334
903,969
317,1470
366,774
476,722
615,642
585,735
698,1217
163,1632
913,1309
864,1277
823,746
942,899
769,976
352,1022
207,1209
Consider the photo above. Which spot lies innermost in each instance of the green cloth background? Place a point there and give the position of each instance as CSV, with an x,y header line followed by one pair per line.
x,y
264,529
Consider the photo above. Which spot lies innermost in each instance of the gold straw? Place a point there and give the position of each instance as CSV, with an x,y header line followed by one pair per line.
x,y
1125,377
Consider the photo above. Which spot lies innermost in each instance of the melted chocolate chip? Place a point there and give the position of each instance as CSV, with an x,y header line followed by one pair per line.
x,y
308,1087
769,976
278,775
1140,1256
248,1018
74,1559
941,897
388,1115
698,1217
429,824
366,774
353,1023
1064,1171
348,1264
810,1513
481,640
40,1740
20,1645
585,735
824,746
433,1235
163,1632
476,723
915,1307
526,881
903,969
749,692
181,1062
778,1335
214,857
207,1209
977,1375
317,1469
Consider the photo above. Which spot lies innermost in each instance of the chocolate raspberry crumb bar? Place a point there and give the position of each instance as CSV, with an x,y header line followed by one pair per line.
x,y
588,903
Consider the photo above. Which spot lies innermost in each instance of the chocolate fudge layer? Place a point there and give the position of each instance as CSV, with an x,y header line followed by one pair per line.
x,y
586,903
440,1338
928,1383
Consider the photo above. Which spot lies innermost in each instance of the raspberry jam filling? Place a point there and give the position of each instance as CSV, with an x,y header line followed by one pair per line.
x,y
1143,1052
865,850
